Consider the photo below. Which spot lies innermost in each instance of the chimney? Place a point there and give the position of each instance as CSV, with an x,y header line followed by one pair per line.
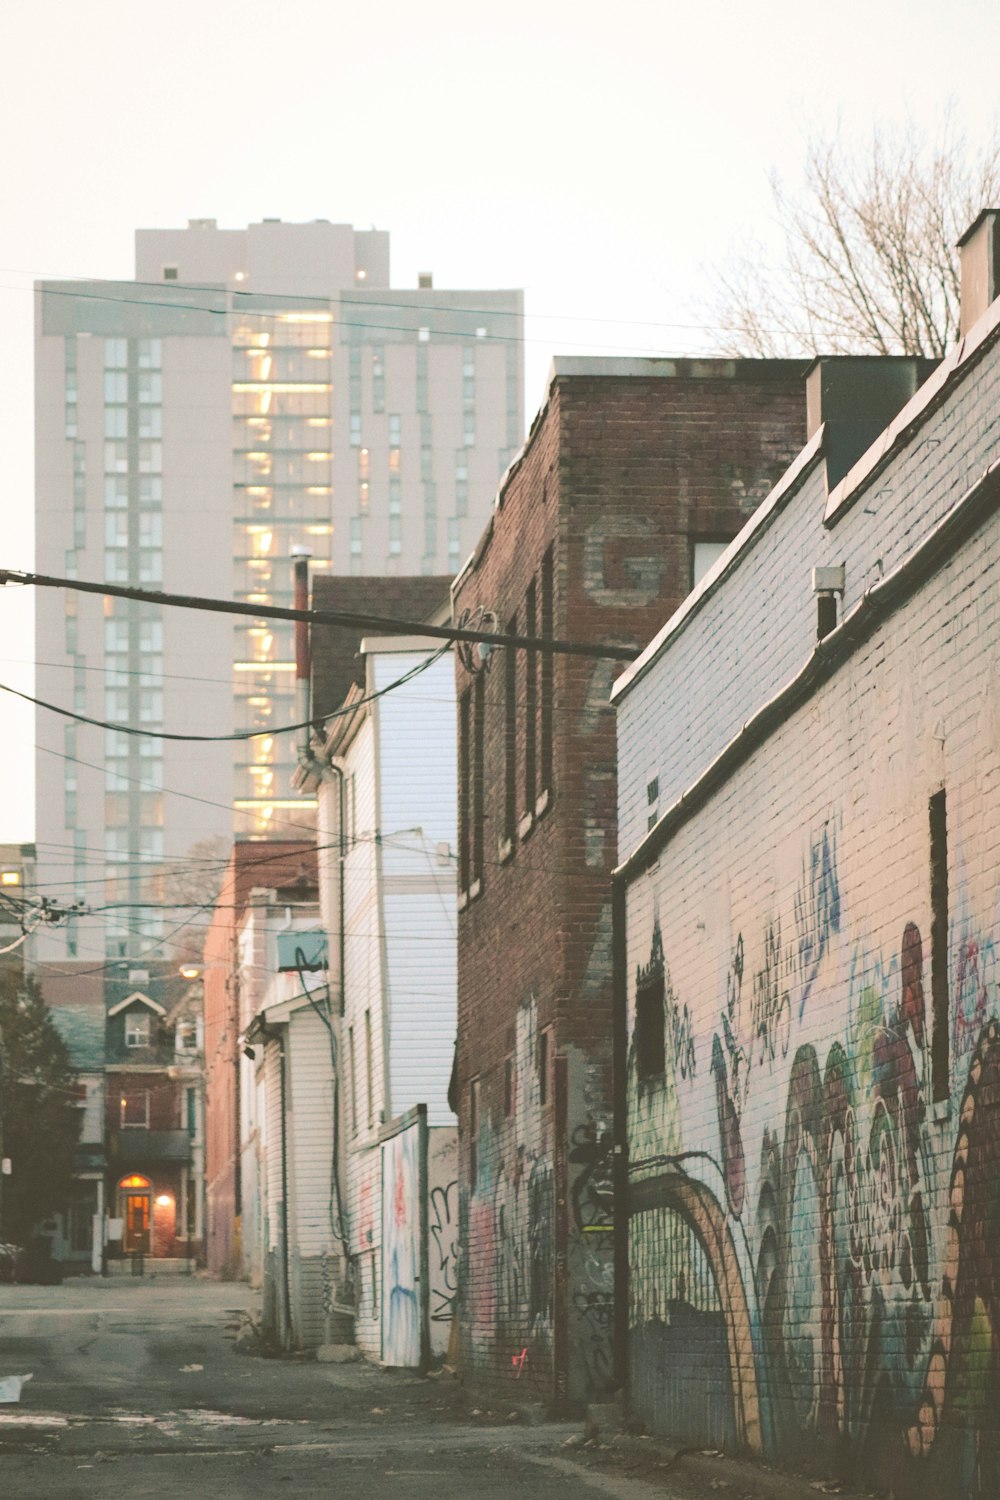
x,y
300,570
979,251
855,397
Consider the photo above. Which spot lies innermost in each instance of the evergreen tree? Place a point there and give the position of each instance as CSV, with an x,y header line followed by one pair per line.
x,y
39,1109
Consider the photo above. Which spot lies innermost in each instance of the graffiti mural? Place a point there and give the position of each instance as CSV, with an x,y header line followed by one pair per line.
x,y
590,1232
815,1269
401,1248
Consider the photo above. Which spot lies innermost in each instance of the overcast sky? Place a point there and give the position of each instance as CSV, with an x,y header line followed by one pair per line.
x,y
602,157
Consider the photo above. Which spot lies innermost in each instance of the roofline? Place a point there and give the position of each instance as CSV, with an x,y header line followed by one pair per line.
x,y
131,999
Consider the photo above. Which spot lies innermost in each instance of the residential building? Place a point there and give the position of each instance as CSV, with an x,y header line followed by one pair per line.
x,y
384,771
808,1017
288,868
635,474
250,393
291,1206
135,1038
75,1001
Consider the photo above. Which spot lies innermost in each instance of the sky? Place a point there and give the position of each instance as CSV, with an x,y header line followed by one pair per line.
x,y
603,158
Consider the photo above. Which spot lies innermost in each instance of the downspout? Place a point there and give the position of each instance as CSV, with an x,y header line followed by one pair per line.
x,y
619,1085
300,573
282,1078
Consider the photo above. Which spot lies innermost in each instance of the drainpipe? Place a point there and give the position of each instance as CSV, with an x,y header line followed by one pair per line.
x,y
619,1084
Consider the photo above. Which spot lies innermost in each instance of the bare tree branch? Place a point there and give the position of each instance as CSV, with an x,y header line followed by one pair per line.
x,y
869,264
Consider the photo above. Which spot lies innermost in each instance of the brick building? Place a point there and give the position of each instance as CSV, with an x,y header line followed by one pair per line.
x,y
275,865
806,939
635,473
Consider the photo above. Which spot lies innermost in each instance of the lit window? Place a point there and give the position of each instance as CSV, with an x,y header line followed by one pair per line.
x,y
137,1029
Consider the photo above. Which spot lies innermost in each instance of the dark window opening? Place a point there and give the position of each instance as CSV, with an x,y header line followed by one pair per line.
x,y
508,1087
510,736
530,702
478,775
649,1041
464,791
940,1058
547,726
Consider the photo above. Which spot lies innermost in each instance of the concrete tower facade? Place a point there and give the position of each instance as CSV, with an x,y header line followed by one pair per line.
x,y
252,392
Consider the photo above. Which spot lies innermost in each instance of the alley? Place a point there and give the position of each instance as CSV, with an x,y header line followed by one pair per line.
x,y
138,1389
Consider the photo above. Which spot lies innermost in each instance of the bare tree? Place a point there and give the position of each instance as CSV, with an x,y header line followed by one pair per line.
x,y
870,265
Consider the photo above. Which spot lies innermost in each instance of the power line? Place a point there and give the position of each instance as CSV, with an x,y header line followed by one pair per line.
x,y
379,624
238,735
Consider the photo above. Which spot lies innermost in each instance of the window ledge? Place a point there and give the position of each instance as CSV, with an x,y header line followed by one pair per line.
x,y
542,805
505,850
525,826
941,1111
463,900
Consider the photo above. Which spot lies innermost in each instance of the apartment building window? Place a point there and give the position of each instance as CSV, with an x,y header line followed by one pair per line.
x,y
940,1053
378,380
394,431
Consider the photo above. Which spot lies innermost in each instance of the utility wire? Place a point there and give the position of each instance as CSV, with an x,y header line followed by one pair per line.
x,y
238,735
379,624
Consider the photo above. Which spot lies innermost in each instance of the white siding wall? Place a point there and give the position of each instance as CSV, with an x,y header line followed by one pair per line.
x,y
363,993
417,783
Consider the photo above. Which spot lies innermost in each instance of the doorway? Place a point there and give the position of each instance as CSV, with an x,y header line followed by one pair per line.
x,y
134,1201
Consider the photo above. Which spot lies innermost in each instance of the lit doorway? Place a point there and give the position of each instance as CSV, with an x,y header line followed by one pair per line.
x,y
134,1198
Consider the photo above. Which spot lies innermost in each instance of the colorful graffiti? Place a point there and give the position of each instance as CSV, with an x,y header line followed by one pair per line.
x,y
836,1295
401,1248
444,1251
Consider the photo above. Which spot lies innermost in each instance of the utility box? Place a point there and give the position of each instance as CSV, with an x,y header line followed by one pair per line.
x,y
301,950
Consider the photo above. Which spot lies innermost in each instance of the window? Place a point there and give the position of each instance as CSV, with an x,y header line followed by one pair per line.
x,y
704,555
940,1059
530,703
508,1087
510,736
547,722
478,776
137,1028
170,273
394,431
464,790
135,1109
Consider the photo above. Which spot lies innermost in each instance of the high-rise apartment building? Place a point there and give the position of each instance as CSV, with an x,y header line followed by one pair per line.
x,y
251,393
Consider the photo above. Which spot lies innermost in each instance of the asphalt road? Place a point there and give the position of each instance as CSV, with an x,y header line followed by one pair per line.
x,y
138,1389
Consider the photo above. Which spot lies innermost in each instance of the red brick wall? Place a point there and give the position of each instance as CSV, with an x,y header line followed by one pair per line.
x,y
619,476
253,864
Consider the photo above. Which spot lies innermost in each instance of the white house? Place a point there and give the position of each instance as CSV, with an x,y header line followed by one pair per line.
x,y
385,774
